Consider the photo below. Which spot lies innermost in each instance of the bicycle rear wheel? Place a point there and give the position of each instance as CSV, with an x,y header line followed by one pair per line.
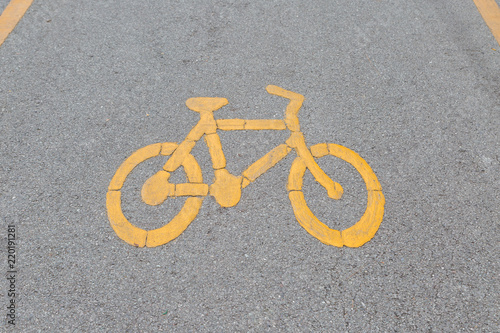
x,y
139,237
365,228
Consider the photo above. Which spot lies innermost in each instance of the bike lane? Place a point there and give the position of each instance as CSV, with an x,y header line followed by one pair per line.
x,y
410,87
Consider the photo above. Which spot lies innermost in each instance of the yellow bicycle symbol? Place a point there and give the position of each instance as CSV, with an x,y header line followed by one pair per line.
x,y
226,188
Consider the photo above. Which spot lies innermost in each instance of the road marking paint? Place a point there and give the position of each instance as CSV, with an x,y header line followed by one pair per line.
x,y
168,148
250,124
215,149
491,15
192,169
124,229
365,228
230,124
319,150
11,15
226,189
154,195
266,162
139,237
131,162
311,223
265,124
298,142
360,164
178,224
178,156
296,174
191,190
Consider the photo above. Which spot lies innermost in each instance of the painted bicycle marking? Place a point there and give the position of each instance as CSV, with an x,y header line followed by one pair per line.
x,y
226,189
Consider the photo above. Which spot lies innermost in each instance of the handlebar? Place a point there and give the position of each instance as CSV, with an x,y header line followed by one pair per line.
x,y
296,100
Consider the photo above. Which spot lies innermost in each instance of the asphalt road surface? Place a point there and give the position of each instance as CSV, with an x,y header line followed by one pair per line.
x,y
412,86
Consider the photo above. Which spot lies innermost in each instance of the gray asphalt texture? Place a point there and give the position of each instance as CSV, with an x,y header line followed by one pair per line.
x,y
412,86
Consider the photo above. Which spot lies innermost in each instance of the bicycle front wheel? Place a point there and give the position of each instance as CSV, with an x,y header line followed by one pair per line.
x,y
365,228
139,237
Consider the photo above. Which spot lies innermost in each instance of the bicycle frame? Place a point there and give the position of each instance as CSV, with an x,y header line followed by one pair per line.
x,y
227,187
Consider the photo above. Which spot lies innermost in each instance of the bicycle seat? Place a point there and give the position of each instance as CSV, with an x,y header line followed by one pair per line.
x,y
205,104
